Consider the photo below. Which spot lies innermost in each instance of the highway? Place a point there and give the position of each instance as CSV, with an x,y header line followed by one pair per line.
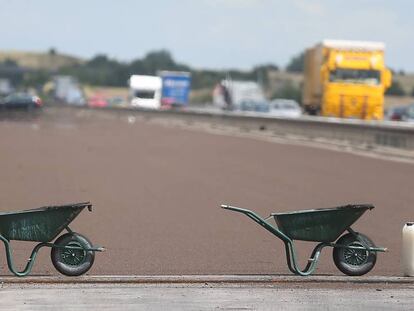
x,y
157,188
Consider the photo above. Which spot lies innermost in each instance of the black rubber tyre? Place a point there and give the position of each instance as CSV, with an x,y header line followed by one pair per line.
x,y
72,262
354,262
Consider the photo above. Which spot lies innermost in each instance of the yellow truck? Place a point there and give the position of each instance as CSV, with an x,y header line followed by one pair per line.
x,y
346,79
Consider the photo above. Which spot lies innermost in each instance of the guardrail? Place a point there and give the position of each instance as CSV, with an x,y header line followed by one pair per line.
x,y
368,134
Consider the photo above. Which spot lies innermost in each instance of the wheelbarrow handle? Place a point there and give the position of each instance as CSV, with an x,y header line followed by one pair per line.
x,y
236,209
261,221
247,212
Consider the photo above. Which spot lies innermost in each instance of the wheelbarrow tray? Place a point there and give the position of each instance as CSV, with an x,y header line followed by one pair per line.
x,y
319,225
41,224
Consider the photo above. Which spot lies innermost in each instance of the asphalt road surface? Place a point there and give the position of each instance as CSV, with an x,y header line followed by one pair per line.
x,y
157,190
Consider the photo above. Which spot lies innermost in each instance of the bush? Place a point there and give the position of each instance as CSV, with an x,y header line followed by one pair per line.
x,y
35,78
395,89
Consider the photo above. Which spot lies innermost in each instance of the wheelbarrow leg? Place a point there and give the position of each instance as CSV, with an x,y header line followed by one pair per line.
x,y
312,262
289,258
10,262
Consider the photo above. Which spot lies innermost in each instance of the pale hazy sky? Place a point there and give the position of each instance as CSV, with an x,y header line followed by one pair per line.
x,y
206,33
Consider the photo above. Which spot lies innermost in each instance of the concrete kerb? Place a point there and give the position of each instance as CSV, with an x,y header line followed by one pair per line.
x,y
212,279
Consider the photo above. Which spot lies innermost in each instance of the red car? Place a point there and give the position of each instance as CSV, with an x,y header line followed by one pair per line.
x,y
97,101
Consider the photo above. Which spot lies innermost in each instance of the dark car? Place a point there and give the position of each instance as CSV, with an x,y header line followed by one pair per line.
x,y
397,113
21,100
400,113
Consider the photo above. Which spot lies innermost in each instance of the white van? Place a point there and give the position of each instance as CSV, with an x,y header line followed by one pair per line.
x,y
145,91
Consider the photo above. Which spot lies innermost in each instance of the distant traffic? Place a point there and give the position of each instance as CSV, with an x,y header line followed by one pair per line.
x,y
341,79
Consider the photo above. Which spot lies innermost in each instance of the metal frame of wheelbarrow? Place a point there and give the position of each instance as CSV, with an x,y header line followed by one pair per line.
x,y
291,256
32,258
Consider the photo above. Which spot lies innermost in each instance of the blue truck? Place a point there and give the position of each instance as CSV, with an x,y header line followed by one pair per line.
x,y
176,88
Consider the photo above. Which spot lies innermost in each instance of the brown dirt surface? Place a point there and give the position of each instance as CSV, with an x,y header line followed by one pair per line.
x,y
157,190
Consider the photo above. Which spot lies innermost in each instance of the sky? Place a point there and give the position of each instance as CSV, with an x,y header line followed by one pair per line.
x,y
216,34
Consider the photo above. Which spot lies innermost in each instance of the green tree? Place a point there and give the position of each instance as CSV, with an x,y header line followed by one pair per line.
x,y
9,63
101,70
35,78
297,63
288,91
52,51
9,69
261,73
161,60
395,89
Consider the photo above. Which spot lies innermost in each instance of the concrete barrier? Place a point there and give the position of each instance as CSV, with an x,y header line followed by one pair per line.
x,y
367,134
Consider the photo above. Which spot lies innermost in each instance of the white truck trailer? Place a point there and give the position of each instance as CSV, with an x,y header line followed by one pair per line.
x,y
145,91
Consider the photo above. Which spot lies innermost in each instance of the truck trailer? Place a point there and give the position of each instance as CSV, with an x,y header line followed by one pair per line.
x,y
175,88
168,89
145,91
346,79
236,95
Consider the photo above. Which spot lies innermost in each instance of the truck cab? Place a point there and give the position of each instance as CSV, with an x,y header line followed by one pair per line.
x,y
346,79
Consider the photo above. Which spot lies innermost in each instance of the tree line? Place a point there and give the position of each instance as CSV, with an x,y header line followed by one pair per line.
x,y
104,71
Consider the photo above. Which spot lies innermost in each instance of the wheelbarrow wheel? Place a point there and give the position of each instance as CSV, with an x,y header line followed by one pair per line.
x,y
72,262
354,262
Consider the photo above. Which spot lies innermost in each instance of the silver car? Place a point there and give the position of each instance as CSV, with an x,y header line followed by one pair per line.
x,y
286,108
410,113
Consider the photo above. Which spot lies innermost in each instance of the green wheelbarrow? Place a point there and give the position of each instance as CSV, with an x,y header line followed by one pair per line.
x,y
353,253
72,254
